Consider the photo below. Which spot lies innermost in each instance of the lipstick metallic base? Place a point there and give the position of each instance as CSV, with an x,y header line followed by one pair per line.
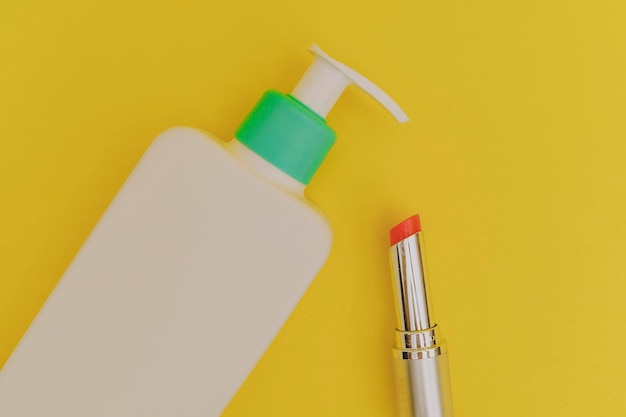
x,y
422,374
422,387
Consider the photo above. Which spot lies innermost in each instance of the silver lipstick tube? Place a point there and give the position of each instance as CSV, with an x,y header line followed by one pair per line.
x,y
420,356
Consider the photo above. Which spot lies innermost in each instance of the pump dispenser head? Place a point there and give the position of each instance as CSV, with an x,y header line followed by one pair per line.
x,y
326,79
290,130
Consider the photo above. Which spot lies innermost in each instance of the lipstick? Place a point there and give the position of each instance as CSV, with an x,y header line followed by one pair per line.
x,y
420,357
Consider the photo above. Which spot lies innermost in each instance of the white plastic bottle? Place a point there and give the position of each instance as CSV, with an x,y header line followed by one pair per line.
x,y
191,271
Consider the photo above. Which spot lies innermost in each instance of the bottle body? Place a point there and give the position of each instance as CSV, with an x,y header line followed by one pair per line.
x,y
175,295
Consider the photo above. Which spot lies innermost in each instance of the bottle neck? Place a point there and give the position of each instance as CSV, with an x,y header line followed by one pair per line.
x,y
287,134
264,168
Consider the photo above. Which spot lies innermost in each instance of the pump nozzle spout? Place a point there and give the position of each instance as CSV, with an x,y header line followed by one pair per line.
x,y
326,79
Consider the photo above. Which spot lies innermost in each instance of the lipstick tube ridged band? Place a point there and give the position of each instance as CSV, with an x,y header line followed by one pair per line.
x,y
420,344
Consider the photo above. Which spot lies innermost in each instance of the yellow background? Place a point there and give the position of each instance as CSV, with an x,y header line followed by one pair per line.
x,y
515,157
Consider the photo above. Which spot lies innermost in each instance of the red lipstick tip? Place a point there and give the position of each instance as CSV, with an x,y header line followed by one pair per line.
x,y
405,229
